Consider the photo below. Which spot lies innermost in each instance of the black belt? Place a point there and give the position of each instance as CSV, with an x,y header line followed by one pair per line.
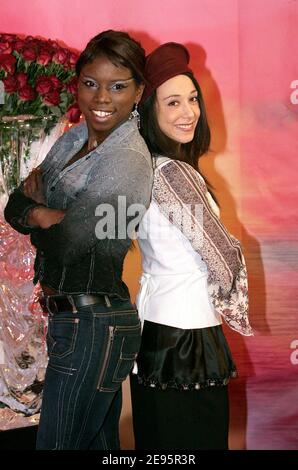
x,y
71,303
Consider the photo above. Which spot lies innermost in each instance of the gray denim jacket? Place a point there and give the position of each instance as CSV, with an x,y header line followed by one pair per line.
x,y
70,256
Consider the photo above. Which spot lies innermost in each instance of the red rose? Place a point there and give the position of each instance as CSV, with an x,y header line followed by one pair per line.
x,y
60,56
7,63
29,53
5,47
72,85
55,45
19,45
55,82
72,59
10,84
22,79
52,98
44,56
43,85
26,93
8,37
73,113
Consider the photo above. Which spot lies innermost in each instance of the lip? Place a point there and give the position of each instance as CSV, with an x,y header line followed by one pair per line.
x,y
101,115
187,127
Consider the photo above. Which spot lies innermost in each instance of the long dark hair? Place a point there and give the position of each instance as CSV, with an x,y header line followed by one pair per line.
x,y
159,143
119,48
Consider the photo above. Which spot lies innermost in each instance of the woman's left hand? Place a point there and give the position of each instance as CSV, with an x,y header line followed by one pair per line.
x,y
33,186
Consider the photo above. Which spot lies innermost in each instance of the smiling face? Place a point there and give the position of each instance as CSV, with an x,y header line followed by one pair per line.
x,y
106,96
177,108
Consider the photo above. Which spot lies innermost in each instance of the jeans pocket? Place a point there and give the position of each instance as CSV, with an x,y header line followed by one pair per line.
x,y
129,350
122,348
61,337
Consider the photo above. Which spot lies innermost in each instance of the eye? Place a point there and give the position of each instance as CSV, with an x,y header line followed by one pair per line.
x,y
89,84
173,103
195,99
118,86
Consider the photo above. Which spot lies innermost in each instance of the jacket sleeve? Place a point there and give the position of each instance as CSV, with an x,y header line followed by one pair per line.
x,y
182,196
106,209
16,210
18,204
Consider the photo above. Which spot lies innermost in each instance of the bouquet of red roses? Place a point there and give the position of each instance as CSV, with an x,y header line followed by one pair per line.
x,y
38,78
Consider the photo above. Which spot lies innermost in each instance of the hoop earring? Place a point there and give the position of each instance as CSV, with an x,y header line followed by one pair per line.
x,y
135,114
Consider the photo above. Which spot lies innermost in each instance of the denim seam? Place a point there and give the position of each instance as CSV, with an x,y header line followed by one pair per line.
x,y
65,388
128,328
60,371
66,368
103,440
74,387
58,420
122,312
91,401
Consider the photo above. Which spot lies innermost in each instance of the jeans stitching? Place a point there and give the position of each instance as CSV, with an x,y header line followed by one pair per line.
x,y
58,420
73,339
91,401
64,405
62,367
123,357
103,440
74,388
69,431
117,312
124,328
56,369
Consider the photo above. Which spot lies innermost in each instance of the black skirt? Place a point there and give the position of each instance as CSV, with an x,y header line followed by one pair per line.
x,y
180,395
184,359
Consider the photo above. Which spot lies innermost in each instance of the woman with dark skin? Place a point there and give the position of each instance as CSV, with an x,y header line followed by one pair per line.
x,y
77,207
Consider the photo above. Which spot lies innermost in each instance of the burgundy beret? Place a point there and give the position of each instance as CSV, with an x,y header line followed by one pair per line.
x,y
165,62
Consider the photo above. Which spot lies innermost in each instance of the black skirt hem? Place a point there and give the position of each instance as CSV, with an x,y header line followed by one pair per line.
x,y
218,382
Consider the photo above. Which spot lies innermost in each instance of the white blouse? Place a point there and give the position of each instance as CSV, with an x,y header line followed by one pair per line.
x,y
173,288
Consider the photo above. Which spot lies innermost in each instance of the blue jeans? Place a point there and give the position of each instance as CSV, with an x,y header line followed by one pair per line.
x,y
90,354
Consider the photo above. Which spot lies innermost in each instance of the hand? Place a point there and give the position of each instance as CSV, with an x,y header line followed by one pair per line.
x,y
44,217
33,186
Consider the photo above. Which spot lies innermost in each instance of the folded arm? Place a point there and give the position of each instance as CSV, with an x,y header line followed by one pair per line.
x,y
26,209
129,177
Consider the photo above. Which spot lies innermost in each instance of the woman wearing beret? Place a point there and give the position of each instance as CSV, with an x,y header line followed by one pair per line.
x,y
193,274
80,218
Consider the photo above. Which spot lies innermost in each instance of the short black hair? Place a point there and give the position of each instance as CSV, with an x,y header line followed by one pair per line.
x,y
119,48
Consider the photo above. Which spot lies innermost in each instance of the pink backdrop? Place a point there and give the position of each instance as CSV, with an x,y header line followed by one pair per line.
x,y
243,52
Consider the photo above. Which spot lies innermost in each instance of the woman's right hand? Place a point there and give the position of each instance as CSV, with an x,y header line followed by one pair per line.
x,y
33,186
44,217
